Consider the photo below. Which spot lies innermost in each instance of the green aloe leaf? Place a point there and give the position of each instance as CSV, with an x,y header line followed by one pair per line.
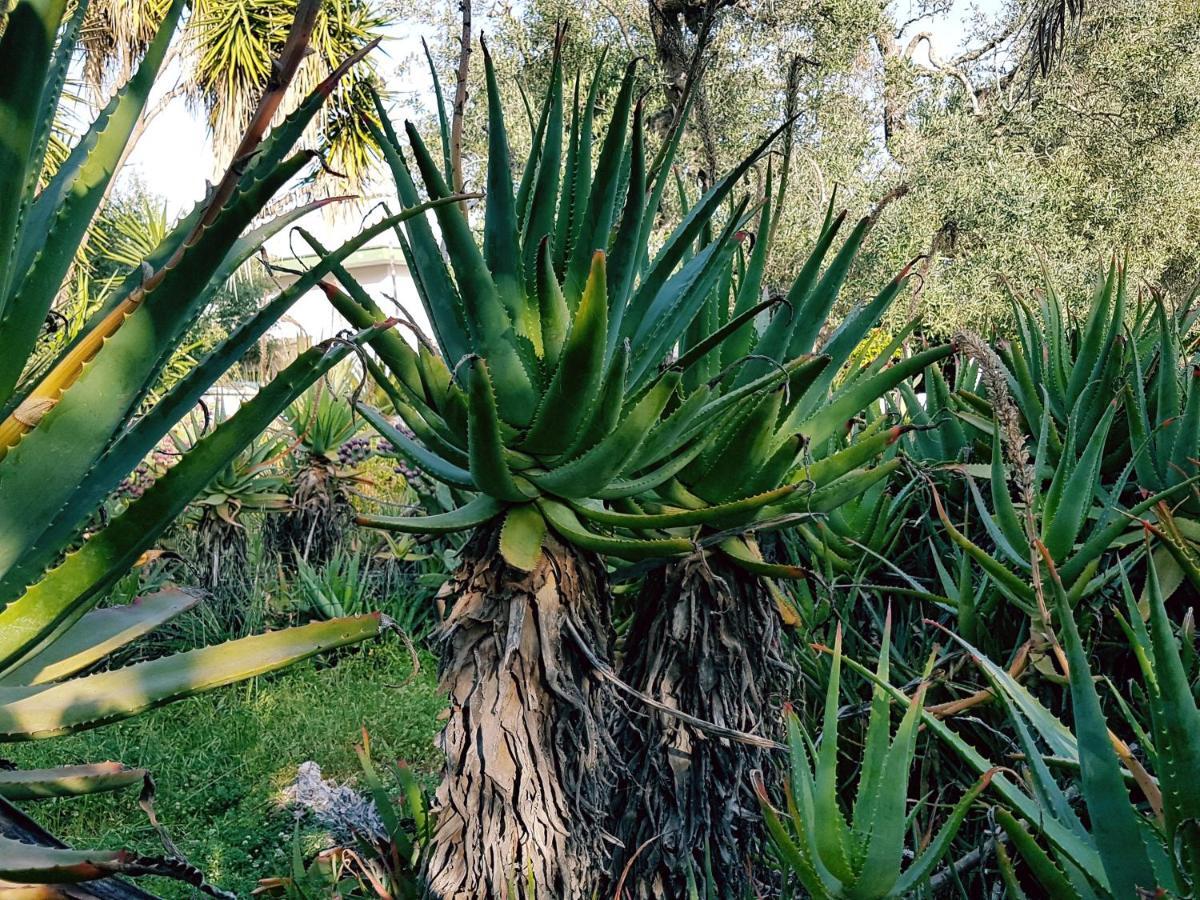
x,y
21,785
564,521
104,697
1114,822
577,378
599,465
489,464
480,510
522,536
70,589
99,633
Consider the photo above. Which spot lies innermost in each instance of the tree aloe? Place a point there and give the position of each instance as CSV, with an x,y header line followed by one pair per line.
x,y
706,633
546,390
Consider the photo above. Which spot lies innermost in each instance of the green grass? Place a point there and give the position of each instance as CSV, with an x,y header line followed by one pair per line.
x,y
220,760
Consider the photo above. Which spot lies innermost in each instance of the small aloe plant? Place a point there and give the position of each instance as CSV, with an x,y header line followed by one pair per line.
x,y
860,856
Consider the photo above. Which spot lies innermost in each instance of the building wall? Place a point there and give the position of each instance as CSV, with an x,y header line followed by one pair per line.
x,y
387,281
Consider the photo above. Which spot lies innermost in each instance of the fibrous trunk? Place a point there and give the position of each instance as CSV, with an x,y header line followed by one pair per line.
x,y
222,553
705,640
318,515
522,807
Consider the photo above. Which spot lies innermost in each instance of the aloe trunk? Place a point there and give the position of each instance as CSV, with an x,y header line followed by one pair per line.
x,y
706,640
222,554
524,796
318,515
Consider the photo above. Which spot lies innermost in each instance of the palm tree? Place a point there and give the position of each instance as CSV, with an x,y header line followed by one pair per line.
x,y
223,54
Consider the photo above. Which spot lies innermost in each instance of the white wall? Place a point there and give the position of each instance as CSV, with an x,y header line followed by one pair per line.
x,y
382,273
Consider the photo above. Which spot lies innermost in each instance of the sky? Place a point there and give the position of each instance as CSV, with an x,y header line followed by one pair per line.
x,y
173,160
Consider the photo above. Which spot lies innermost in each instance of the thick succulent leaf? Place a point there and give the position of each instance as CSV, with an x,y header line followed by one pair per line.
x,y
22,863
26,47
522,536
594,469
71,588
539,187
880,868
745,554
875,748
538,131
99,633
1015,538
794,847
723,513
829,419
865,448
92,395
749,300
480,510
1185,457
620,488
1014,587
831,496
577,378
21,785
626,250
443,119
501,248
55,224
1178,744
596,220
777,336
722,336
439,296
1048,875
554,314
1102,538
1090,354
833,838
435,433
678,301
116,299
29,546
605,412
1114,821
444,470
489,463
750,444
567,525
1059,834
95,700
1065,522
677,244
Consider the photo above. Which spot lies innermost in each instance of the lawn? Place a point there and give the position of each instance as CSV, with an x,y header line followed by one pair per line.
x,y
221,759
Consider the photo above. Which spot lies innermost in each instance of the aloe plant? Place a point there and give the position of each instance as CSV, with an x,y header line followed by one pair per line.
x,y
319,512
792,457
857,850
251,484
1139,834
1138,852
545,392
1080,431
73,428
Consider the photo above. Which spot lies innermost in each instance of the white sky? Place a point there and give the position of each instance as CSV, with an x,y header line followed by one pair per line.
x,y
173,160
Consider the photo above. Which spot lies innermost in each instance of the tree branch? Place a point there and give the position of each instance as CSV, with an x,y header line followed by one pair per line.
x,y
460,98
